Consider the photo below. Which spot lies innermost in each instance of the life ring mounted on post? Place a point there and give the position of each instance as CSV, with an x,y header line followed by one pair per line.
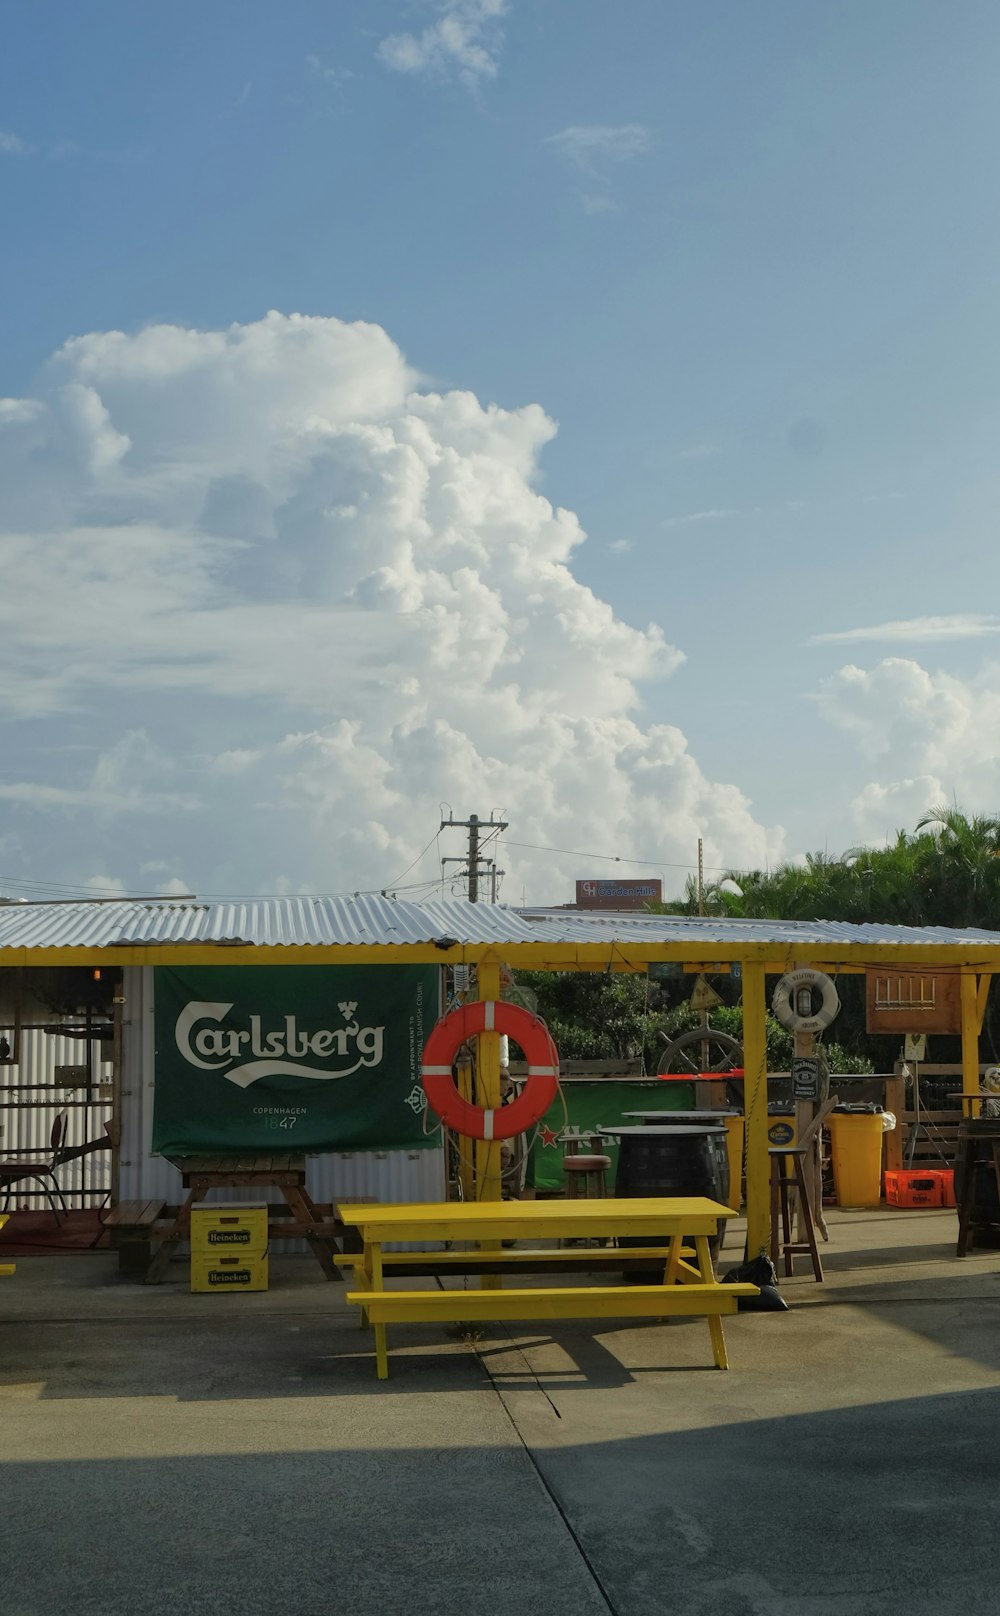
x,y
447,1038
797,1013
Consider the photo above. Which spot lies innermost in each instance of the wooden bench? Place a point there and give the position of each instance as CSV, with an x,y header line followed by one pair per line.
x,y
567,1302
285,1172
132,1224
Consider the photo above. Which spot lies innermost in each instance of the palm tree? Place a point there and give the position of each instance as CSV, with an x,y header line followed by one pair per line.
x,y
965,860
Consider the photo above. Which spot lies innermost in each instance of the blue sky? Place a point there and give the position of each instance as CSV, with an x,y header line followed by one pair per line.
x,y
746,258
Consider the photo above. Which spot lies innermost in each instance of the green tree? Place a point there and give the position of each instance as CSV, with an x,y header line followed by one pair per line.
x,y
945,873
596,1015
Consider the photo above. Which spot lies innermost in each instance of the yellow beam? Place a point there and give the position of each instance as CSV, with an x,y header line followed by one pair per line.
x,y
552,956
489,1182
781,967
981,998
466,1151
970,1040
755,1101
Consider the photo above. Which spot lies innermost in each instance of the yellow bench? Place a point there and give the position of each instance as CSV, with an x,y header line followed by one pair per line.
x,y
545,1261
686,1289
6,1268
567,1302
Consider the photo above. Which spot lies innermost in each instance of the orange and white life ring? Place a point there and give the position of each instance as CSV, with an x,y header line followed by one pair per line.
x,y
447,1038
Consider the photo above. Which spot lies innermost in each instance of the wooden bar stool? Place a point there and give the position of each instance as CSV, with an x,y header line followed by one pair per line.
x,y
782,1180
978,1159
585,1181
585,1176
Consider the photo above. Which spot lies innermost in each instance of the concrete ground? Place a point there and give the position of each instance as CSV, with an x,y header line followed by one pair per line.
x,y
163,1452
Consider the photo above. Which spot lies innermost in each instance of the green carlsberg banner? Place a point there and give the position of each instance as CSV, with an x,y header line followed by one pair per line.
x,y
298,1057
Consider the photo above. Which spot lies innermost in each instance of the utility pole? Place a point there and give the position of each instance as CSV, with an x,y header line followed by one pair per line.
x,y
473,860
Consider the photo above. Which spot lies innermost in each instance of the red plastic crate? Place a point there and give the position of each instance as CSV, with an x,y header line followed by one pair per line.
x,y
946,1176
915,1186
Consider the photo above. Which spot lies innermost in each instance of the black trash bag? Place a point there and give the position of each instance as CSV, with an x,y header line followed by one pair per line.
x,y
760,1271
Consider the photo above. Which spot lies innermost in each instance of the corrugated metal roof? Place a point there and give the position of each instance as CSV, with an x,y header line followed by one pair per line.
x,y
377,920
706,930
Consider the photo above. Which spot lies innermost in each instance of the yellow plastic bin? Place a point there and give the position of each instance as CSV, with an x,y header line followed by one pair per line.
x,y
856,1146
734,1151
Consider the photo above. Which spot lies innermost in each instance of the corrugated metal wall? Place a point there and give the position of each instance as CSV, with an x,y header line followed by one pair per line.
x,y
393,1175
27,1116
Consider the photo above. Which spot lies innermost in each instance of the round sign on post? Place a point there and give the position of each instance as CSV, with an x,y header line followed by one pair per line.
x,y
805,1001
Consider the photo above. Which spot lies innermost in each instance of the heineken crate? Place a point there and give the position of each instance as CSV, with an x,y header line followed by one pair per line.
x,y
220,1226
222,1271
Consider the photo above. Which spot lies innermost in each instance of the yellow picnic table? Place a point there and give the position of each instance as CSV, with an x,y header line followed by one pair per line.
x,y
686,1288
6,1268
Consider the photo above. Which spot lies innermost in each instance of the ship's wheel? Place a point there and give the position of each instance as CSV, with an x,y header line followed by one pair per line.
x,y
701,1049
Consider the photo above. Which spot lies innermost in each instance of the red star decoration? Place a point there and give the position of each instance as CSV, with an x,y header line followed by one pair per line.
x,y
548,1137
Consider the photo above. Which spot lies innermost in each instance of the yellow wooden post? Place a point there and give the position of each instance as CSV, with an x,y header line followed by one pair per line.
x,y
970,1042
755,1096
982,997
466,1153
488,1181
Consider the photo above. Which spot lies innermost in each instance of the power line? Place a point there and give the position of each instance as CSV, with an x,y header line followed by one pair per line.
x,y
74,890
613,858
436,837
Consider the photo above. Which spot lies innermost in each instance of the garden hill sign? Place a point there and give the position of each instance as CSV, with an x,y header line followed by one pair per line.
x,y
618,894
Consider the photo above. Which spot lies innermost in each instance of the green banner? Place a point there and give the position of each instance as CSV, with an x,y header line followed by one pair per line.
x,y
292,1057
597,1105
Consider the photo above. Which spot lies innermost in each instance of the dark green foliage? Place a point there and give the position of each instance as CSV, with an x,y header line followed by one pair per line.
x,y
947,873
594,1016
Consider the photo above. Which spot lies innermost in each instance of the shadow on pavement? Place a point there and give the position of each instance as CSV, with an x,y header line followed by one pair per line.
x,y
887,1509
366,1531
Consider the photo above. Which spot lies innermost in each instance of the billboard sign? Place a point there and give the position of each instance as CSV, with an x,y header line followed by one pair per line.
x,y
618,893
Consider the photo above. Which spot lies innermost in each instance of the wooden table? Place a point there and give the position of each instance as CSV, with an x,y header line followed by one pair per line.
x,y
686,1287
285,1172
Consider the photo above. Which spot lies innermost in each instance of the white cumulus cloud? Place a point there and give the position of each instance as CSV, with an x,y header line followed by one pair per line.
x,y
269,602
465,40
930,735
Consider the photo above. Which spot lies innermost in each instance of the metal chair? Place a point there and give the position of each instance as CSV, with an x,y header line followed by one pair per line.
x,y
44,1173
